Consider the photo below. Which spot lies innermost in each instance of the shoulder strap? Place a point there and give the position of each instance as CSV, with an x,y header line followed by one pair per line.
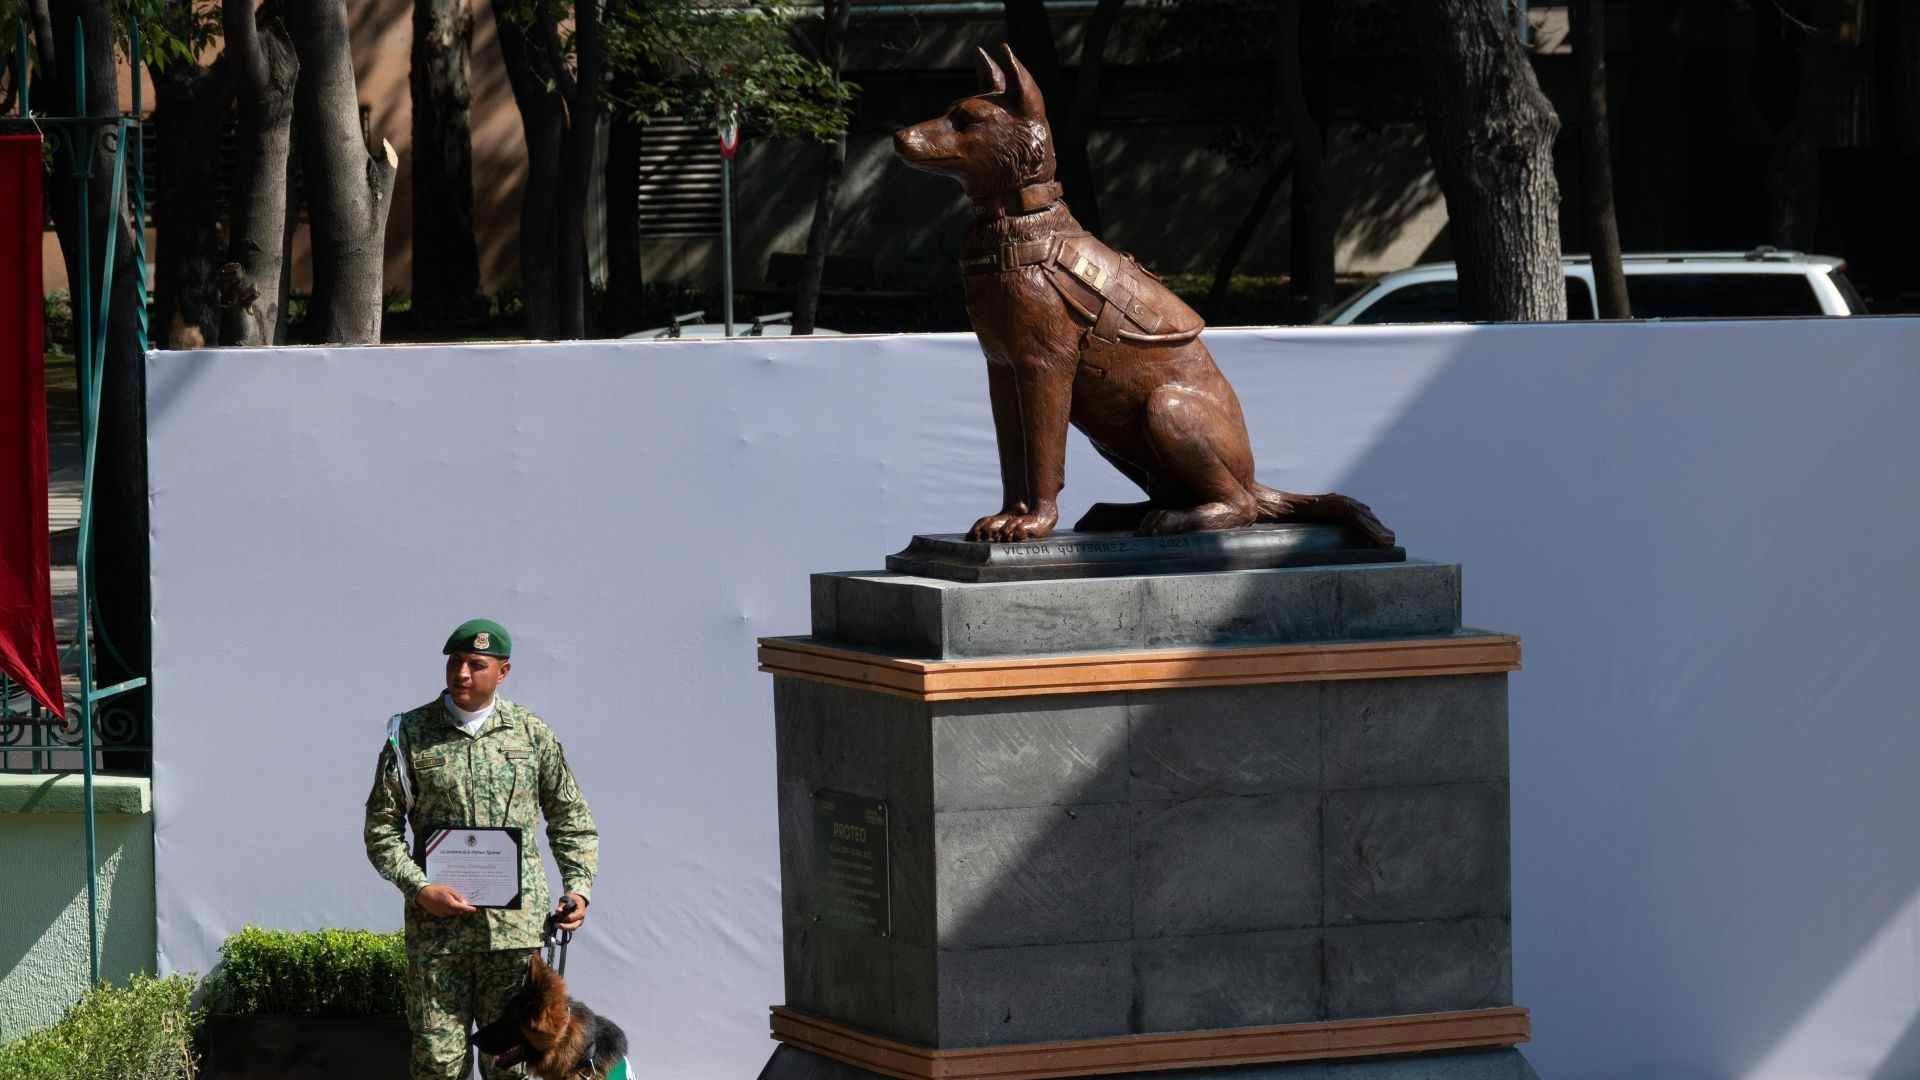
x,y
400,763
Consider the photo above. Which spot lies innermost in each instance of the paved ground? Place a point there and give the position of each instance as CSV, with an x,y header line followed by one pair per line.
x,y
63,521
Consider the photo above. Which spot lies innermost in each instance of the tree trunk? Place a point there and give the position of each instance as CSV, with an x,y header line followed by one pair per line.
x,y
349,187
446,260
1243,234
833,167
190,112
1086,92
576,170
122,630
543,117
1590,53
1491,131
1031,35
1305,38
1793,171
626,276
265,74
1655,127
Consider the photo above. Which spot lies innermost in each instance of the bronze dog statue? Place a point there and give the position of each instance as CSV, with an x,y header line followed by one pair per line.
x,y
1075,332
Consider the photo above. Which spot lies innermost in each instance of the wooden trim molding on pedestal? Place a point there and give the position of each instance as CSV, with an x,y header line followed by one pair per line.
x,y
1469,653
1324,1040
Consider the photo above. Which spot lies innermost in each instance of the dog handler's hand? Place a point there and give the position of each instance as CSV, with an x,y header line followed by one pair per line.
x,y
443,900
570,920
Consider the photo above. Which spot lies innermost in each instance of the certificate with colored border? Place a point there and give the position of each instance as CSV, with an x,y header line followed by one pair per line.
x,y
482,864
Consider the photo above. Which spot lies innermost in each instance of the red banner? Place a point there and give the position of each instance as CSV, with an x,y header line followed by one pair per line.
x,y
28,652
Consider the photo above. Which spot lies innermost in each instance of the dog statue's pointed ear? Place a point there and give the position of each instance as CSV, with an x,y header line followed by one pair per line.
x,y
1023,94
992,81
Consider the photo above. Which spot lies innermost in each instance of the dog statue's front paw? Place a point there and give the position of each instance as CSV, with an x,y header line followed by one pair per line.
x,y
1013,526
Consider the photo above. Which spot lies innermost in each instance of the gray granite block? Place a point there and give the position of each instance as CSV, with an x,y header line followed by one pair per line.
x,y
863,743
1392,732
1233,863
1227,980
1224,740
795,805
923,617
916,996
1038,993
910,840
822,590
1418,967
788,1063
842,974
891,611
1247,608
1410,599
1032,876
1025,617
1046,751
849,740
1402,854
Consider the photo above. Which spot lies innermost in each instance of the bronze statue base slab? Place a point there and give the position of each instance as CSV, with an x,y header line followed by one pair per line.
x,y
952,557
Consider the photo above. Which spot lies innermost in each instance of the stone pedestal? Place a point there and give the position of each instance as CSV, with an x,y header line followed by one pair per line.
x,y
1234,821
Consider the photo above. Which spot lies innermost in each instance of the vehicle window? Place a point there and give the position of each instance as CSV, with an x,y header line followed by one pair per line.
x,y
1420,302
1579,299
1855,303
1439,301
1728,296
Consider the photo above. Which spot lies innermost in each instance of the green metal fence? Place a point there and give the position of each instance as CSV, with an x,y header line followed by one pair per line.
x,y
74,146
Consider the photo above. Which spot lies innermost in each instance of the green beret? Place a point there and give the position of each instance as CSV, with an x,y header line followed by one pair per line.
x,y
481,636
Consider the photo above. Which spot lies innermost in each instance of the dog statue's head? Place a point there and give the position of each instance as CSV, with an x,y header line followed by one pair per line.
x,y
994,142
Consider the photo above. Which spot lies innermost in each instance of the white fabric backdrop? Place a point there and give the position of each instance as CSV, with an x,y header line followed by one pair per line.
x,y
1705,533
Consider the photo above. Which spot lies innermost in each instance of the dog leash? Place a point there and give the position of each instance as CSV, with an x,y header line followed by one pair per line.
x,y
554,941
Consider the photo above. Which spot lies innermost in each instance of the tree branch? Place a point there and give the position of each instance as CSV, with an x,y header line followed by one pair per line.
x,y
237,22
556,61
43,39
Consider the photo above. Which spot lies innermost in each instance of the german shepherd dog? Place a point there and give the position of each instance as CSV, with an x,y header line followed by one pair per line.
x,y
1075,332
557,1037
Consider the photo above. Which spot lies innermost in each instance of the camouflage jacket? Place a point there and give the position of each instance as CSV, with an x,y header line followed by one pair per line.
x,y
510,774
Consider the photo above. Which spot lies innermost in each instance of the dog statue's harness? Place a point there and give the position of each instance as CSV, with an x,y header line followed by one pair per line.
x,y
1121,301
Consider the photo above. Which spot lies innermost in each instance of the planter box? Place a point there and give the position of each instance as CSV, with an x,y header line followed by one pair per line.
x,y
302,1047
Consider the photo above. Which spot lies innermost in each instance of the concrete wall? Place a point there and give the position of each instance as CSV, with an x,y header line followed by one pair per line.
x,y
43,892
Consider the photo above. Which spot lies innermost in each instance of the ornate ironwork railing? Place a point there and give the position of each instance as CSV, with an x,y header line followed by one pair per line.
x,y
33,740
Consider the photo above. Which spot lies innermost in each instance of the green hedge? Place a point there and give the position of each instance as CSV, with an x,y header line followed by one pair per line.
x,y
143,1031
314,973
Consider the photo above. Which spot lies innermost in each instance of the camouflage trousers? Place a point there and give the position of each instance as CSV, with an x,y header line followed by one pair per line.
x,y
448,996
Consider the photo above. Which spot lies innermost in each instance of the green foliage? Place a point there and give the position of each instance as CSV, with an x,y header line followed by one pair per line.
x,y
311,973
709,59
171,32
57,321
143,1031
706,59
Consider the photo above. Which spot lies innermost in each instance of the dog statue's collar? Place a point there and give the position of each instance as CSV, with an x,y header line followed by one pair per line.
x,y
1011,255
1027,200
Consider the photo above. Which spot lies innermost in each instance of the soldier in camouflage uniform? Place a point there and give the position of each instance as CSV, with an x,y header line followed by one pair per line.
x,y
476,759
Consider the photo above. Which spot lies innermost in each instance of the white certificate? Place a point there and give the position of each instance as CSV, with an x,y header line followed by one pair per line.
x,y
482,864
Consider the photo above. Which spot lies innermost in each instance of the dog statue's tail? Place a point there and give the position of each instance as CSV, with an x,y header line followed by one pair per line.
x,y
1330,508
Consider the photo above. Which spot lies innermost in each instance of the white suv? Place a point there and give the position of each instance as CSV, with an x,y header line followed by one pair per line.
x,y
1762,283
